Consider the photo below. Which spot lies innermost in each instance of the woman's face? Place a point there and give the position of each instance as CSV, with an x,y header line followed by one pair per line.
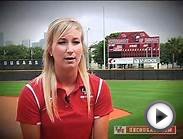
x,y
67,50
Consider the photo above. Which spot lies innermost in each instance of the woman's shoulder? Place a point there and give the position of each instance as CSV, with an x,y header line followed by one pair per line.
x,y
94,77
33,86
36,82
96,81
34,90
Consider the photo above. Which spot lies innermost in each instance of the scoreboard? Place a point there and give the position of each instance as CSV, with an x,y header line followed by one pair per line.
x,y
133,45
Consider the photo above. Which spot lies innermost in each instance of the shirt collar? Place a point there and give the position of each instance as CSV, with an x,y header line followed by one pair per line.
x,y
79,82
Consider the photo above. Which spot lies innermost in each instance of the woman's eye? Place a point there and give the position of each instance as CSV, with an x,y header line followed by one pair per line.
x,y
61,43
76,42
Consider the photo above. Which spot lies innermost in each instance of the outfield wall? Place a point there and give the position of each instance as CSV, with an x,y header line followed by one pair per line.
x,y
16,75
140,74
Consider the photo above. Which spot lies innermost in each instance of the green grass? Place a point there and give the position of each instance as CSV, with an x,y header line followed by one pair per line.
x,y
11,88
135,95
131,95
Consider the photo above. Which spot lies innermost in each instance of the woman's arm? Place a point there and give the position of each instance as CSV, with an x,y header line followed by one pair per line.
x,y
100,129
30,131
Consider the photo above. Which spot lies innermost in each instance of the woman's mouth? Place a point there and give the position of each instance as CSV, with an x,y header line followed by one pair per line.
x,y
69,59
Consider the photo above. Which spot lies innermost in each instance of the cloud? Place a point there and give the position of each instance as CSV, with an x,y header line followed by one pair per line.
x,y
30,19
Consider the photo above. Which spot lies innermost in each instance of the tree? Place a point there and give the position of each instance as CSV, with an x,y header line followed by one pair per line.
x,y
2,52
176,49
165,55
37,53
98,52
16,52
172,51
180,52
172,44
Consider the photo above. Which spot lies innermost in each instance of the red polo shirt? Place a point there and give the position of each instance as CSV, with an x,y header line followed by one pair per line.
x,y
75,122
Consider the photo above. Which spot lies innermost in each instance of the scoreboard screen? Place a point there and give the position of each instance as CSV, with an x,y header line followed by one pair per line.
x,y
133,44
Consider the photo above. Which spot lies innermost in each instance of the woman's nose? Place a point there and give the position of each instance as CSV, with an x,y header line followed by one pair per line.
x,y
69,48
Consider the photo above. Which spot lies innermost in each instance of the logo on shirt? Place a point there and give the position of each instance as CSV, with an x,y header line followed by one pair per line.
x,y
84,93
83,90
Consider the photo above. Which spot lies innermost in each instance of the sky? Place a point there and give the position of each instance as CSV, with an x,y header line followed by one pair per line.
x,y
21,20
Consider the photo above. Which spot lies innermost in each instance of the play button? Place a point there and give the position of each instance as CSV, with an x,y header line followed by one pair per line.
x,y
160,115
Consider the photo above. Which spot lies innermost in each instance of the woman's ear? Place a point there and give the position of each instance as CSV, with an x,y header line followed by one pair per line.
x,y
50,52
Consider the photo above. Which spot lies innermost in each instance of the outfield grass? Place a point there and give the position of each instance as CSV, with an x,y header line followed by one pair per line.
x,y
135,95
131,95
11,88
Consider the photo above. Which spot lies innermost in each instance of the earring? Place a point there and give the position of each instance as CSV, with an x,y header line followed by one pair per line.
x,y
51,55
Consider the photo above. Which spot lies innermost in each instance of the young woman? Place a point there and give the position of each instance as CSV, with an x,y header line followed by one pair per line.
x,y
65,101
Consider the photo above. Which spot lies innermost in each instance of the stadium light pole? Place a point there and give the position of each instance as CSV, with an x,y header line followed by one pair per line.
x,y
104,35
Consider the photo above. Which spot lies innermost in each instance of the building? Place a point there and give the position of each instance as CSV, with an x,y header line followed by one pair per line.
x,y
26,43
35,44
9,43
41,43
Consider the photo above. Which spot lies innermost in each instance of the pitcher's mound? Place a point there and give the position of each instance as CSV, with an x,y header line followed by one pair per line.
x,y
118,113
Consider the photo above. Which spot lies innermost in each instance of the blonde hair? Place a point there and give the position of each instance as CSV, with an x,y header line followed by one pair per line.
x,y
55,30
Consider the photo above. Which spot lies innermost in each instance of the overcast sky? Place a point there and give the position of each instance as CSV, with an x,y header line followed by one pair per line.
x,y
30,19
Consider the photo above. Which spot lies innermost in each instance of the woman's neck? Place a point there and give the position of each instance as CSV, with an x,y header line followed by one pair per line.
x,y
67,77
